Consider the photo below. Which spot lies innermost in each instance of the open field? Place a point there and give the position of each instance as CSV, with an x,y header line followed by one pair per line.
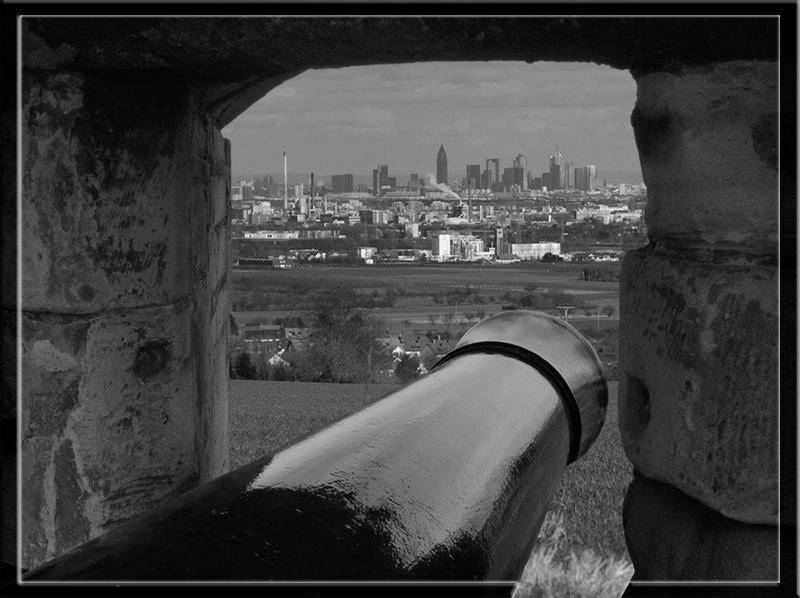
x,y
587,506
423,303
426,278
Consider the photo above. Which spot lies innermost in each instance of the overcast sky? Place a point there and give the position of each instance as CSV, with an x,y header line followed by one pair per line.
x,y
350,119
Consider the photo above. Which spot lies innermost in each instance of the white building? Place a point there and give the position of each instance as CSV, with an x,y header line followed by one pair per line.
x,y
441,247
367,252
458,247
275,235
535,251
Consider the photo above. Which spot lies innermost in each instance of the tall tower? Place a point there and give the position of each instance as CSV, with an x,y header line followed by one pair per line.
x,y
285,185
474,175
441,166
591,176
521,161
493,166
555,171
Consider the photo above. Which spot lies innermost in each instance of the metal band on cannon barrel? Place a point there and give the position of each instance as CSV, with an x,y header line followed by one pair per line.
x,y
535,361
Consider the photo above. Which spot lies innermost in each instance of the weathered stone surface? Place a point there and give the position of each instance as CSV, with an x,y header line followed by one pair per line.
x,y
211,319
707,140
673,537
70,522
134,431
125,241
111,420
235,48
104,204
8,226
38,505
9,510
698,388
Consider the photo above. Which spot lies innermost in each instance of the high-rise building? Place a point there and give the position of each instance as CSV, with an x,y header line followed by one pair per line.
x,y
493,165
580,178
474,175
499,242
513,176
380,178
591,177
555,170
486,179
441,166
521,161
342,183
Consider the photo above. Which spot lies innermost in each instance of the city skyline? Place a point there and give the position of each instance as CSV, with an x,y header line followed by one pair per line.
x,y
347,120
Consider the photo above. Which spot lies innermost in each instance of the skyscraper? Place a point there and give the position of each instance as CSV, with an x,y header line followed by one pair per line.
x,y
555,173
580,178
474,175
493,166
521,161
441,166
342,183
380,177
591,177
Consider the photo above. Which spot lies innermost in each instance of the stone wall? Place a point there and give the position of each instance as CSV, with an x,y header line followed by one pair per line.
x,y
698,342
126,194
124,269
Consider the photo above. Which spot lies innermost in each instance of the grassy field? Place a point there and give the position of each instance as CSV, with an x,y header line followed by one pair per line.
x,y
423,302
581,548
266,416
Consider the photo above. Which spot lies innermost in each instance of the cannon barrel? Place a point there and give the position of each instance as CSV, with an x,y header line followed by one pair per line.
x,y
448,478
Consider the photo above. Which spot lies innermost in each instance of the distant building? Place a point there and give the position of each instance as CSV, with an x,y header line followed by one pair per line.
x,y
534,251
342,183
458,247
441,166
374,217
474,175
521,161
440,245
514,175
366,252
580,179
493,166
556,179
500,245
380,179
273,235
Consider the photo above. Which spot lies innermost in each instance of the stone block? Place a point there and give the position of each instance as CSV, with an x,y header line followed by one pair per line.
x,y
220,198
104,205
699,381
38,505
707,140
134,432
8,226
672,537
111,420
